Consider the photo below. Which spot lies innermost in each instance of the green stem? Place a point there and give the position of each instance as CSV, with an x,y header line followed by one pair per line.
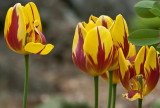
x,y
96,91
110,89
139,103
139,78
114,95
26,81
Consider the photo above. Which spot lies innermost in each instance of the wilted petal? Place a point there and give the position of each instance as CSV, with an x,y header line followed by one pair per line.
x,y
133,95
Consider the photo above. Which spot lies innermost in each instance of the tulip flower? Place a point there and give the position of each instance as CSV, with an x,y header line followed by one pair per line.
x,y
23,30
139,74
23,34
92,50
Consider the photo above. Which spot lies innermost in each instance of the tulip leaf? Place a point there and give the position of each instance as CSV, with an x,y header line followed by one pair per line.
x,y
144,37
142,9
156,9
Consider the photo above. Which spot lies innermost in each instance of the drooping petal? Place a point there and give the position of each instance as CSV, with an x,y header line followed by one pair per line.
x,y
15,29
98,49
119,32
140,60
133,95
105,21
151,70
38,48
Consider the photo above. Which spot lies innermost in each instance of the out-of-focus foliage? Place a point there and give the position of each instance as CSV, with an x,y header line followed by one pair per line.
x,y
156,104
146,9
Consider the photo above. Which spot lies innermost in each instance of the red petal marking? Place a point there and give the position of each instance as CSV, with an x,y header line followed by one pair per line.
x,y
133,92
142,64
104,23
13,32
104,76
102,63
126,43
79,57
132,59
32,12
42,37
115,56
153,77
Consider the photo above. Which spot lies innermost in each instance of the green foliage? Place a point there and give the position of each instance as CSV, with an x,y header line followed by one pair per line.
x,y
144,37
142,9
147,9
156,9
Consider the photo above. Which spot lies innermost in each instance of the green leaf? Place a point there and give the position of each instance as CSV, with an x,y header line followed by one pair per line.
x,y
142,9
156,9
144,37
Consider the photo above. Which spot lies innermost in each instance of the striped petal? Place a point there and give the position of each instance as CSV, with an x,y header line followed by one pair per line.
x,y
119,33
151,70
105,21
38,48
98,49
78,56
140,60
35,21
132,50
133,95
15,28
92,23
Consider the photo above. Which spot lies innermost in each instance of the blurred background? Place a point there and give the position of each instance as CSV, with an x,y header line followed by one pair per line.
x,y
54,81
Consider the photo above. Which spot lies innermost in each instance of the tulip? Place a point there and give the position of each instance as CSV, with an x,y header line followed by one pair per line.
x,y
23,34
23,30
92,50
139,74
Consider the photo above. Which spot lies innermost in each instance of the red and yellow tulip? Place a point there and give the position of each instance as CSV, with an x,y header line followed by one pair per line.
x,y
92,47
23,30
119,33
145,64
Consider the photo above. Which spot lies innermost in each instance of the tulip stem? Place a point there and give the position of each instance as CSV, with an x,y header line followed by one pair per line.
x,y
114,95
139,78
96,90
26,81
110,89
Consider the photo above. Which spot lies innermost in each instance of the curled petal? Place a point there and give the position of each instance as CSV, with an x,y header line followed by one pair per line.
x,y
92,18
38,48
133,95
105,21
98,49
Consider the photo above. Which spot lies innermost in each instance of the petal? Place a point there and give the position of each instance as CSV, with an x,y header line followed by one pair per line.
x,y
140,60
33,15
78,56
34,47
92,23
133,95
151,70
98,47
47,49
105,21
132,50
123,66
15,28
119,32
